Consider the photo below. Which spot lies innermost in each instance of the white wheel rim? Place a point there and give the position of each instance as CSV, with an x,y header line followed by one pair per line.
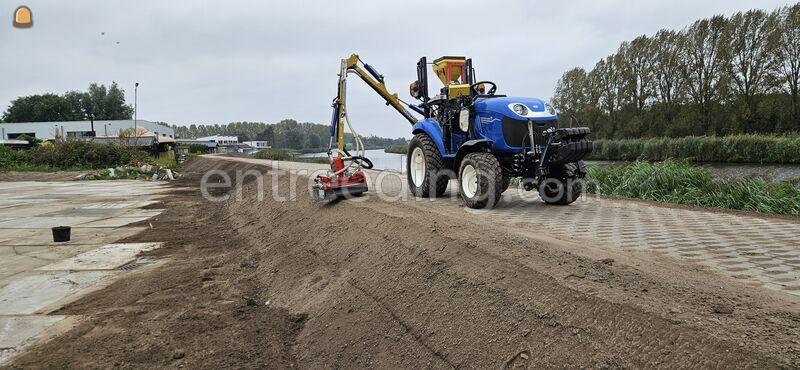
x,y
417,165
469,181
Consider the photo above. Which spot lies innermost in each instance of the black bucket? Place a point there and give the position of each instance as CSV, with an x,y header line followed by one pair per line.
x,y
61,233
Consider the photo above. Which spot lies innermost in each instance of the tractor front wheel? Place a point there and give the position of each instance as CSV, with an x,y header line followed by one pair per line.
x,y
560,192
425,168
565,187
480,180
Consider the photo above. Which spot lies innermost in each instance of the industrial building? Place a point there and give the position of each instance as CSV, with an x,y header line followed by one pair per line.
x,y
79,129
220,139
257,144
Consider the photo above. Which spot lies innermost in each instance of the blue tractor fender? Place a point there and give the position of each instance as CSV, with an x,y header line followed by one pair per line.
x,y
471,146
432,129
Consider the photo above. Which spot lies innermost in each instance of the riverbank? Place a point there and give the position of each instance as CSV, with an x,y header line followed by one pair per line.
x,y
396,149
726,149
678,182
284,155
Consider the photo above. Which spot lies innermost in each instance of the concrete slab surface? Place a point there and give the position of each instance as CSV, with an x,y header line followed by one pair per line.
x,y
106,257
42,222
32,293
18,332
80,236
71,269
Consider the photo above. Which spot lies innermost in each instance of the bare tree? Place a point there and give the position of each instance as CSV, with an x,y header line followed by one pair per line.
x,y
749,54
667,48
716,76
607,83
570,94
788,51
635,67
703,63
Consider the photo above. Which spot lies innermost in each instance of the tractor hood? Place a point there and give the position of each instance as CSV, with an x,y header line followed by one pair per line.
x,y
537,109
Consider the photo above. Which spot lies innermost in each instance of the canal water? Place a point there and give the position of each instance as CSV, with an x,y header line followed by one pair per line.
x,y
379,158
773,172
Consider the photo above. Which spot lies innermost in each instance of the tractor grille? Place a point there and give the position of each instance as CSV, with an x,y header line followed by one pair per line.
x,y
515,131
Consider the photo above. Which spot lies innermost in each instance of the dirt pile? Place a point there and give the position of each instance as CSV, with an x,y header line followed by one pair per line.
x,y
263,283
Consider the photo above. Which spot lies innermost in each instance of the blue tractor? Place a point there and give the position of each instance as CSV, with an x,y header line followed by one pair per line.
x,y
471,133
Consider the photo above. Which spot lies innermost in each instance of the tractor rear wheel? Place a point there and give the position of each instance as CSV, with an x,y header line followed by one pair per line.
x,y
480,180
425,168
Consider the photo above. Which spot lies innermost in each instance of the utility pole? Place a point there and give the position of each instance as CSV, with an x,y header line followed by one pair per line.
x,y
136,112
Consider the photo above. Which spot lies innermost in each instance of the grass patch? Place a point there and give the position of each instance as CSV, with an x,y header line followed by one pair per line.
x,y
76,156
730,149
84,155
679,182
166,162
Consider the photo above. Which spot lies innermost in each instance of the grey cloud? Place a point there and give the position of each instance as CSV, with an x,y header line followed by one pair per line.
x,y
215,62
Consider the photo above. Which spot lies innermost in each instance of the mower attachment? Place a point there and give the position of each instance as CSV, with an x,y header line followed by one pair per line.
x,y
340,184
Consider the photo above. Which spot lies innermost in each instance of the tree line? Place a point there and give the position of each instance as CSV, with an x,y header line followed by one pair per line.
x,y
98,102
718,76
286,134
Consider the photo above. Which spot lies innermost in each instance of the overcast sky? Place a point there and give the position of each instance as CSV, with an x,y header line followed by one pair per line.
x,y
217,62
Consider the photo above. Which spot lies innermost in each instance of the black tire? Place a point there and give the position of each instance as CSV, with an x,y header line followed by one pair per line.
x,y
506,182
435,181
489,180
555,190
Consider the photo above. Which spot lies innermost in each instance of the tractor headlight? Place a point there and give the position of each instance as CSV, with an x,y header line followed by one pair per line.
x,y
520,109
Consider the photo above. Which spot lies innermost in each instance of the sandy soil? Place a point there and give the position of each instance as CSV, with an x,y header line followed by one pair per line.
x,y
356,284
38,176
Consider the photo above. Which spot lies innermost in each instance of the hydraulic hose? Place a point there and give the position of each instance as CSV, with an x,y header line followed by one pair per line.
x,y
361,160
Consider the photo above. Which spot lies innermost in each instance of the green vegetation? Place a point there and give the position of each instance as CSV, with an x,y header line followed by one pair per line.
x,y
681,183
104,103
274,154
69,155
716,77
32,141
15,160
284,155
128,173
287,134
397,149
165,162
197,148
734,149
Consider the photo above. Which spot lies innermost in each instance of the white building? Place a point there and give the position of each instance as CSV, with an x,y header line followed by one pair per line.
x,y
221,140
257,144
77,129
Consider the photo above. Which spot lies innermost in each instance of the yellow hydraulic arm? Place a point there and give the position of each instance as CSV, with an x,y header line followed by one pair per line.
x,y
375,81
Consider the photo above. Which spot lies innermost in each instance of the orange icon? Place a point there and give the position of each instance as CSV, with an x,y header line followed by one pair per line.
x,y
23,18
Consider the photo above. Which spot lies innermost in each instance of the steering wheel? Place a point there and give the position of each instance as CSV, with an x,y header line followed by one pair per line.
x,y
474,88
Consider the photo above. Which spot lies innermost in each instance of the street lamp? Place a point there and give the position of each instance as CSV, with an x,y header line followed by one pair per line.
x,y
136,112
